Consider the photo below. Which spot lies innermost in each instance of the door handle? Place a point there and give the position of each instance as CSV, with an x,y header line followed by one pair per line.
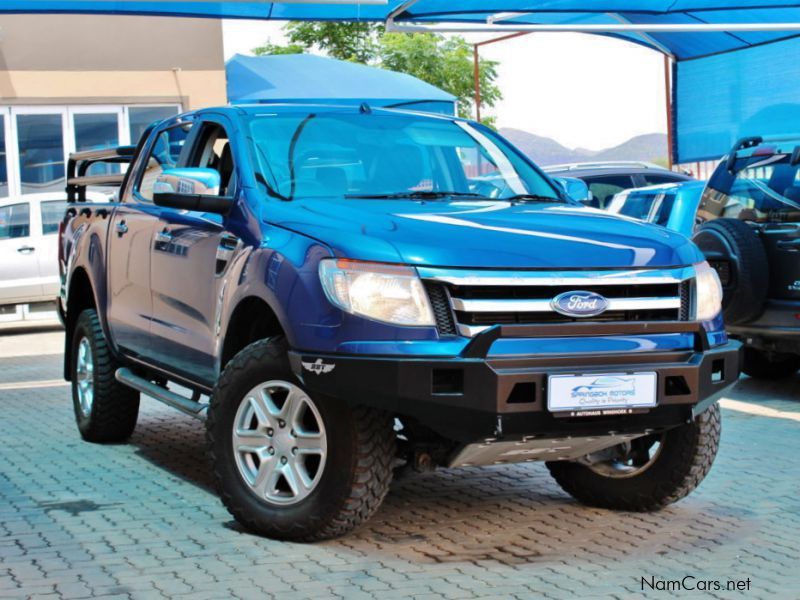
x,y
26,249
164,237
791,245
227,246
122,228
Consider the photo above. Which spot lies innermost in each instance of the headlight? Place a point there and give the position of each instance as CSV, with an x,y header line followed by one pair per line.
x,y
389,293
709,292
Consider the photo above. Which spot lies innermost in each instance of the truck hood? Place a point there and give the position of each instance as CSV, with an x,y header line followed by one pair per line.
x,y
489,234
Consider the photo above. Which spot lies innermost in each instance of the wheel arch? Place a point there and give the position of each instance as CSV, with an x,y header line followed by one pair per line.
x,y
251,320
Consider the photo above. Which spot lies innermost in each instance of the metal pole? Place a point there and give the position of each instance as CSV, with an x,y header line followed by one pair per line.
x,y
477,75
668,102
476,59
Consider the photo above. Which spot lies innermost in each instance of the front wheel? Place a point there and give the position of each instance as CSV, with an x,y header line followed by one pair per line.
x,y
289,465
647,473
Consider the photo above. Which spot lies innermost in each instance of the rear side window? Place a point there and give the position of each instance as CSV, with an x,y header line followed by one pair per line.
x,y
664,211
164,154
15,221
52,215
603,188
637,206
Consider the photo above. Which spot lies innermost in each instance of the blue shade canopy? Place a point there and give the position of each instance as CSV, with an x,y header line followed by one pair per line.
x,y
478,12
307,78
749,71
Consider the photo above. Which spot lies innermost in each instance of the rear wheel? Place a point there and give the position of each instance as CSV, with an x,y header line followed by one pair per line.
x,y
105,410
289,465
769,365
648,473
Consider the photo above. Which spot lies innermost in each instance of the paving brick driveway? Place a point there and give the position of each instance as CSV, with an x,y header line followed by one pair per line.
x,y
141,520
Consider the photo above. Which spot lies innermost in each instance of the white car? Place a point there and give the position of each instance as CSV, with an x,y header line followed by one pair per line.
x,y
29,278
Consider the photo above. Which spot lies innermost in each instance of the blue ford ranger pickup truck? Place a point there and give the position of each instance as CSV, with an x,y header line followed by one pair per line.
x,y
343,292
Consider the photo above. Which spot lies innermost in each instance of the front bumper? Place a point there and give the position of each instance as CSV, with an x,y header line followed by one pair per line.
x,y
471,397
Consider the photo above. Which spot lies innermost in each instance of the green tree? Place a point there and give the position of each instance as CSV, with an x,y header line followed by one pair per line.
x,y
446,62
356,42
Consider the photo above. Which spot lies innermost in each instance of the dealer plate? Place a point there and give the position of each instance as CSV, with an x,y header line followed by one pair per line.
x,y
602,392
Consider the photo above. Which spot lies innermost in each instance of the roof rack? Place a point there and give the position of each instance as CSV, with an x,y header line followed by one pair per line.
x,y
79,163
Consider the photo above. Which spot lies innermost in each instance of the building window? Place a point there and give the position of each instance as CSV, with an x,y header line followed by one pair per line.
x,y
40,139
139,117
3,164
94,131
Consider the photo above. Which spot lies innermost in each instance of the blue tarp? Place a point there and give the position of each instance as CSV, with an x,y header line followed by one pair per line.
x,y
720,99
756,82
308,78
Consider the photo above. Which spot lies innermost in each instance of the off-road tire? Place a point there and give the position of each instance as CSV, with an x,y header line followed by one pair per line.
x,y
743,299
685,459
115,407
357,471
762,365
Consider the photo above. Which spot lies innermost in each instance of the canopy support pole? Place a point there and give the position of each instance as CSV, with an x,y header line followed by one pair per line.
x,y
668,104
476,61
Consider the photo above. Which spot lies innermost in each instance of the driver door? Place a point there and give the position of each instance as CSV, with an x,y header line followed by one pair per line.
x,y
190,255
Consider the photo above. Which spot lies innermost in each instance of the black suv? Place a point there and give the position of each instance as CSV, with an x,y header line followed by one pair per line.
x,y
605,179
749,218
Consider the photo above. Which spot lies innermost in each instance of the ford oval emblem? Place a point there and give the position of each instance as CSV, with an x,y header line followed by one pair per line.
x,y
579,304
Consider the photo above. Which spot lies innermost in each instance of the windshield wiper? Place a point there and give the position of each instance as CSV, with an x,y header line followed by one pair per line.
x,y
415,195
532,198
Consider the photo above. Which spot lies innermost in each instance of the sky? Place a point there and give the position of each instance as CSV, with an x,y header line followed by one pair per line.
x,y
581,90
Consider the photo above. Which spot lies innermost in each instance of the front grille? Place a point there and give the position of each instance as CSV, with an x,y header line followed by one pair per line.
x,y
470,309
440,302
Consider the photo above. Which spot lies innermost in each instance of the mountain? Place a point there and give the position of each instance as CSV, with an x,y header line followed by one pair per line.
x,y
546,151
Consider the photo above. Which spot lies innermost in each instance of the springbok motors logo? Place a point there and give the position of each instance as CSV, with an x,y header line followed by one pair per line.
x,y
319,367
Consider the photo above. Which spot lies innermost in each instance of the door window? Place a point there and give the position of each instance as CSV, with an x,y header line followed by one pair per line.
x,y
3,163
215,153
52,215
164,154
15,221
40,138
604,188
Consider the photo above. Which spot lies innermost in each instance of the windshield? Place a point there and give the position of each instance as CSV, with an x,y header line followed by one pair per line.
x,y
368,155
762,188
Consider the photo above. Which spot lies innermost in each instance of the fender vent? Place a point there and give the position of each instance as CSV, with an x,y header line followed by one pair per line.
x,y
442,312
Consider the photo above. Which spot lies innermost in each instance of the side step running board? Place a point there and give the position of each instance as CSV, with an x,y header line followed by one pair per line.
x,y
183,404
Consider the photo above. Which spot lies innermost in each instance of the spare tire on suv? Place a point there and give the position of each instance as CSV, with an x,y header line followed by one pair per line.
x,y
734,249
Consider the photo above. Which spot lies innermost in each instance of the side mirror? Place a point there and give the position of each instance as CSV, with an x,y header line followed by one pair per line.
x,y
191,189
575,188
